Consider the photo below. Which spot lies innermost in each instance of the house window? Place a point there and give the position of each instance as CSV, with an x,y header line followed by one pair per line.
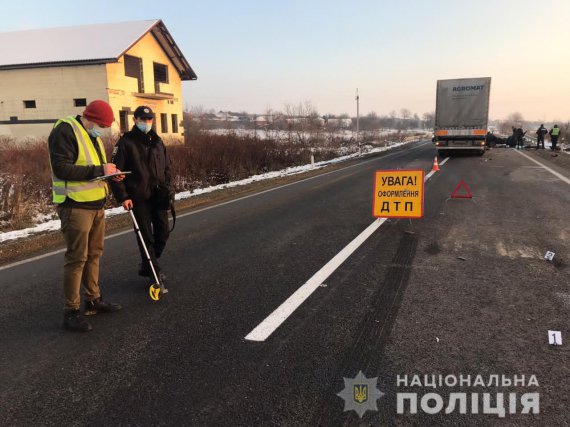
x,y
124,120
175,123
164,123
160,75
133,68
30,103
80,102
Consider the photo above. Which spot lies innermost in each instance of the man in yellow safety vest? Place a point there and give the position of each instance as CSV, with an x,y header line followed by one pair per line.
x,y
77,156
554,134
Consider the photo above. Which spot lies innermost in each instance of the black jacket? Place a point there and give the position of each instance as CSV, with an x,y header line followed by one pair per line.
x,y
541,131
146,157
63,153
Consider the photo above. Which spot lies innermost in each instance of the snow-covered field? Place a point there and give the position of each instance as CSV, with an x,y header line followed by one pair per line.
x,y
54,224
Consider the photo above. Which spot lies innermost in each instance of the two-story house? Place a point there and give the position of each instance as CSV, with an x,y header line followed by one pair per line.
x,y
51,73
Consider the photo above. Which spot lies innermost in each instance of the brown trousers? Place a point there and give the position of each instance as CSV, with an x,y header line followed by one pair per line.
x,y
84,232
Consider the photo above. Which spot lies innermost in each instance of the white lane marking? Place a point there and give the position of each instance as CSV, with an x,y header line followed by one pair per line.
x,y
553,172
281,313
15,264
59,251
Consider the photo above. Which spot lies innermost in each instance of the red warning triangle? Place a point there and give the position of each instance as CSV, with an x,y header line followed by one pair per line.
x,y
455,194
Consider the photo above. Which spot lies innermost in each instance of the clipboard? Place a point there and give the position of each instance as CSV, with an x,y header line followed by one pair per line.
x,y
99,178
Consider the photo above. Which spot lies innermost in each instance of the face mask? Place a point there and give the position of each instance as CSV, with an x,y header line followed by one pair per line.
x,y
144,127
95,131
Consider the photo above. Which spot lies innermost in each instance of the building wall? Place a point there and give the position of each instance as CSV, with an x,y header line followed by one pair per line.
x,y
53,90
123,90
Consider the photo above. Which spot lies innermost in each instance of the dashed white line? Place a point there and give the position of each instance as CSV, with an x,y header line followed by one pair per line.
x,y
281,313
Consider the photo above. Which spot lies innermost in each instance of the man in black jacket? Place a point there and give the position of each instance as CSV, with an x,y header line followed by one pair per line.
x,y
540,132
520,137
147,191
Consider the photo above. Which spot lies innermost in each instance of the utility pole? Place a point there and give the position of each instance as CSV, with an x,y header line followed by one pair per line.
x,y
358,122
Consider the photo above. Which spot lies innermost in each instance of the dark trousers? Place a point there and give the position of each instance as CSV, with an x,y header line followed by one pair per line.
x,y
554,141
539,140
519,142
153,224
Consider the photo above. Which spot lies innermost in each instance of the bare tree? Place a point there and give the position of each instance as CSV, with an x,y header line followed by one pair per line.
x,y
405,113
303,121
393,119
193,121
271,128
417,123
429,120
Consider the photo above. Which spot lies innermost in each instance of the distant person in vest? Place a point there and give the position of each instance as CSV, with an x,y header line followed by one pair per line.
x,y
540,132
554,134
76,157
147,191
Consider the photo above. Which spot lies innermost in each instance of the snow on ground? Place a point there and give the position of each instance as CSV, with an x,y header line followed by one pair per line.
x,y
284,135
53,225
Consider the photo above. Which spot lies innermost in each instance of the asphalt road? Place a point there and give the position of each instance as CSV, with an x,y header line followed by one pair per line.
x,y
403,303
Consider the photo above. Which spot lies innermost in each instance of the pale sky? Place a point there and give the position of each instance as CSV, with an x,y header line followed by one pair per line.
x,y
253,55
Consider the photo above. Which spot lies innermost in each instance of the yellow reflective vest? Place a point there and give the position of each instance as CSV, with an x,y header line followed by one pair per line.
x,y
80,191
555,131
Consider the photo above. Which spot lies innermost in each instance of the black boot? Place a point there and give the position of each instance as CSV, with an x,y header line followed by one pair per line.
x,y
73,320
162,278
100,306
144,270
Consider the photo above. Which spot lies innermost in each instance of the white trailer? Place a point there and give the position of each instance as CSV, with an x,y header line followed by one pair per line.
x,y
461,115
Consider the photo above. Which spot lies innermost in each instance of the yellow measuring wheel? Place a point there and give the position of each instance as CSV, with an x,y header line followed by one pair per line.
x,y
155,292
157,289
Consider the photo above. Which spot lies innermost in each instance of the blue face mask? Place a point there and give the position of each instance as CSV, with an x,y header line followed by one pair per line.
x,y
95,131
144,127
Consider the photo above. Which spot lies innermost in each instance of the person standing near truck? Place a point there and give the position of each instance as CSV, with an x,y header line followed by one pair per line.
x,y
554,134
520,137
540,132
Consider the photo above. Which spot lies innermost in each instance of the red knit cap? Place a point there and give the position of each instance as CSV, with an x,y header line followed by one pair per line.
x,y
99,112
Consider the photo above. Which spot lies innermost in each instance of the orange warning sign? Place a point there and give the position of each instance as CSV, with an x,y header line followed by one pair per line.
x,y
399,194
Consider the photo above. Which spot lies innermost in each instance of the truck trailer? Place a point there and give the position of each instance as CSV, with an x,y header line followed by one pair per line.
x,y
461,115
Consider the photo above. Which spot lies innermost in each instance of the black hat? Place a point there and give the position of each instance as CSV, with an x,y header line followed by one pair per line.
x,y
144,112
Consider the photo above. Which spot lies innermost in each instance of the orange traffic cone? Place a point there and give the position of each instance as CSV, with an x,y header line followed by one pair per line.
x,y
435,165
